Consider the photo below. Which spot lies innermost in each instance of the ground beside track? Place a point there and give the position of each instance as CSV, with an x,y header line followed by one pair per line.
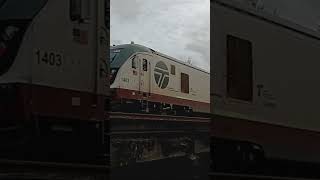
x,y
174,168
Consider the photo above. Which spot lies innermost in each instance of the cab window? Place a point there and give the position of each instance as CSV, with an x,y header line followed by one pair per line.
x,y
134,63
80,10
75,9
145,65
173,70
184,83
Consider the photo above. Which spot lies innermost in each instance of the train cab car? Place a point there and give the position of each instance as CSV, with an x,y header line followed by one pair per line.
x,y
53,79
143,80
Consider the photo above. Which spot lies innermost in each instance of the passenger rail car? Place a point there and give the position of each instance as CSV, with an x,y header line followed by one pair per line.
x,y
265,84
54,84
144,80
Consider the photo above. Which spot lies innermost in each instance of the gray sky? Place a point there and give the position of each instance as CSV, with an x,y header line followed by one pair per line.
x,y
178,28
181,29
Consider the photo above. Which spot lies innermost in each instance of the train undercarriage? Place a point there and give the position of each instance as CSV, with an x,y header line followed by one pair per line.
x,y
145,106
134,138
236,159
50,149
55,140
139,138
34,128
36,170
235,148
234,156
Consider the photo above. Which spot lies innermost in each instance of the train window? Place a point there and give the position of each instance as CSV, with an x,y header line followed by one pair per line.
x,y
2,2
145,65
107,13
239,68
75,10
86,4
79,10
173,70
184,83
134,63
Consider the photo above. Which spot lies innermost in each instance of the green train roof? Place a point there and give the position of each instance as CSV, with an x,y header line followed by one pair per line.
x,y
132,47
128,49
118,59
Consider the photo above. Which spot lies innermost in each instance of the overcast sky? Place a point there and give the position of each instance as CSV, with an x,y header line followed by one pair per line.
x,y
180,28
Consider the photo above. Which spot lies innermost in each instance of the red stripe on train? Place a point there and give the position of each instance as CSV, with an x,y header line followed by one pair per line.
x,y
277,141
2,51
131,94
57,103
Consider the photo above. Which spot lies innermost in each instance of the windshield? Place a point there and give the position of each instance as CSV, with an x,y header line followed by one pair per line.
x,y
113,74
121,53
118,56
113,54
20,9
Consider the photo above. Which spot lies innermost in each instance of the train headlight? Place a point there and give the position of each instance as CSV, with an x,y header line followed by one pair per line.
x,y
6,36
3,48
256,147
8,92
5,86
9,33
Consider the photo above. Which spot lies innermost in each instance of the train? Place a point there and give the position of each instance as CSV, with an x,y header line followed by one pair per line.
x,y
264,89
58,84
54,84
145,80
153,96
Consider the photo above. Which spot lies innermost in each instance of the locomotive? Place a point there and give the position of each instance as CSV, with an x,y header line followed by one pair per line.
x,y
145,83
144,80
54,84
263,110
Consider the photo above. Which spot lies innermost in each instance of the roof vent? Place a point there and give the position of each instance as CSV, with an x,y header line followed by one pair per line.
x,y
132,42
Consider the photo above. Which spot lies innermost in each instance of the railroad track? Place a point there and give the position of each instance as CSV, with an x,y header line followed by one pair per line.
x,y
16,169
153,132
229,176
156,124
156,117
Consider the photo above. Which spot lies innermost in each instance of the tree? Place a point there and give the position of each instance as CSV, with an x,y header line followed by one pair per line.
x,y
189,61
275,12
257,4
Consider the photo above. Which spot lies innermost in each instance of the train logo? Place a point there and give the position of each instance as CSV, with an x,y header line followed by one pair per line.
x,y
161,75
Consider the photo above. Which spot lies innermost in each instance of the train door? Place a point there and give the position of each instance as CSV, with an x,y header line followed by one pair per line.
x,y
90,41
102,43
145,76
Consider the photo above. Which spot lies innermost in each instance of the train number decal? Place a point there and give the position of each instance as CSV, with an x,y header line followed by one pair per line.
x,y
126,80
161,75
49,58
